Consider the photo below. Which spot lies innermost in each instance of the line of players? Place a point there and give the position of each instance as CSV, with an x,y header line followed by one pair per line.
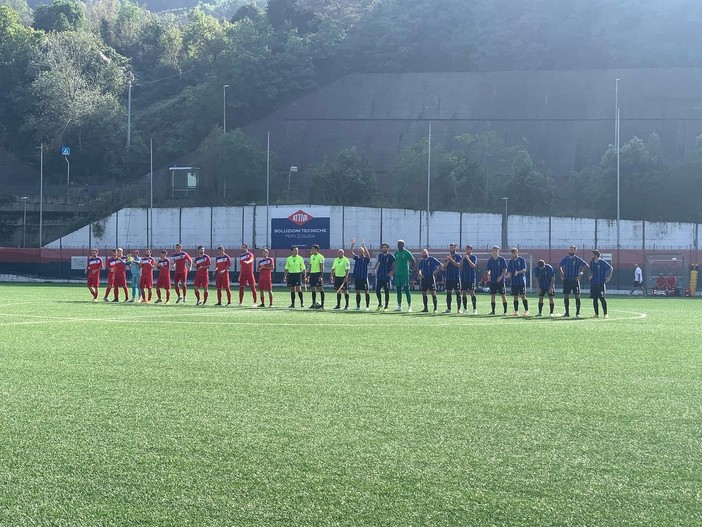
x,y
142,275
460,277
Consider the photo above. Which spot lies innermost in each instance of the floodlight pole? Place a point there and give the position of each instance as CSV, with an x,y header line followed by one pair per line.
x,y
151,194
41,192
129,115
224,107
505,234
268,188
428,183
617,123
24,223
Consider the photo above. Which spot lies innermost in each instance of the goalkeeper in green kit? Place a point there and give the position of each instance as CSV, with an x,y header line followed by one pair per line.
x,y
404,263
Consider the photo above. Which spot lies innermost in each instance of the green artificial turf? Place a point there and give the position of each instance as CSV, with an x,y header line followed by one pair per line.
x,y
115,414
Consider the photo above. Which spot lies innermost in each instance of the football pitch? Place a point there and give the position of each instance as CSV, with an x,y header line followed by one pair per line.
x,y
122,414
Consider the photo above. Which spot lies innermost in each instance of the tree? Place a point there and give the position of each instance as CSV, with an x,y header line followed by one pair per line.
x,y
21,8
233,166
61,15
347,179
529,190
76,92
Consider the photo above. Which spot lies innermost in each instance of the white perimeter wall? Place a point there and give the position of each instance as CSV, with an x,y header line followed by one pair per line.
x,y
230,226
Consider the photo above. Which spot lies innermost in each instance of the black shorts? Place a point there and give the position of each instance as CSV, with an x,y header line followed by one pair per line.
x,y
571,286
382,283
360,284
316,280
497,288
518,290
598,291
340,281
637,284
467,286
543,292
428,284
294,279
453,285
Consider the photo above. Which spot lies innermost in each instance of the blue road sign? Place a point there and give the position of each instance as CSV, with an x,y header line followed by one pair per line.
x,y
65,150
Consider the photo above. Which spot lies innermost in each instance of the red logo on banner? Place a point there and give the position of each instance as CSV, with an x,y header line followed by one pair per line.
x,y
300,217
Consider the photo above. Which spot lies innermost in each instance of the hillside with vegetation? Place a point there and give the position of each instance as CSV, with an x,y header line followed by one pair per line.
x,y
65,69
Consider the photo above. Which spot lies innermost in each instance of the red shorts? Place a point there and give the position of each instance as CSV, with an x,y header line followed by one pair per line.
x,y
164,282
180,276
202,279
94,280
120,280
223,281
245,280
146,281
110,279
265,284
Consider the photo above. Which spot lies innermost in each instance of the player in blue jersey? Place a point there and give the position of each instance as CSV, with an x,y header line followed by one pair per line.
x,y
546,280
452,277
360,273
469,264
427,269
516,272
600,274
383,264
572,268
497,268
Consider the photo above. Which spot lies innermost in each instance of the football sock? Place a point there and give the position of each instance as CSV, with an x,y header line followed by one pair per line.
x,y
229,296
504,307
550,307
425,300
158,294
197,295
292,297
525,302
474,302
241,295
433,298
448,300
346,299
380,298
338,300
168,295
299,295
219,296
321,295
458,299
367,300
314,297
255,294
358,300
185,289
492,305
399,296
596,306
577,306
408,295
604,306
205,295
541,307
177,289
566,303
387,298
516,305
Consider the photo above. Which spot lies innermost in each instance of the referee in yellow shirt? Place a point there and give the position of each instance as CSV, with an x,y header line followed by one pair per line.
x,y
294,273
339,276
315,277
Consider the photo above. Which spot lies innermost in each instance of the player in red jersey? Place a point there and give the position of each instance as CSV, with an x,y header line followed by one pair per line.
x,y
146,282
119,266
246,273
110,274
183,263
92,270
164,277
222,265
202,275
265,278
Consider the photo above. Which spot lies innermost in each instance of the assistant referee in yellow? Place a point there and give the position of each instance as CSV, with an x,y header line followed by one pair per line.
x,y
294,274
